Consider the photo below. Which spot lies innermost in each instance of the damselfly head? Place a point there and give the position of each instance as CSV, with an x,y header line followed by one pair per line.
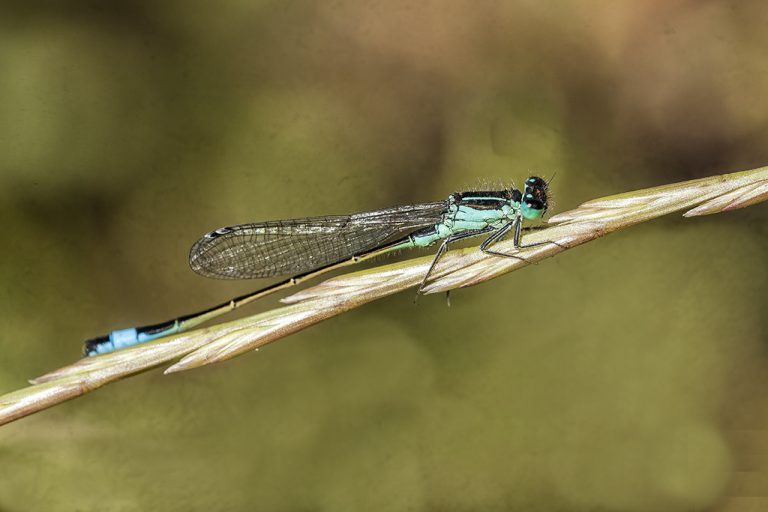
x,y
534,201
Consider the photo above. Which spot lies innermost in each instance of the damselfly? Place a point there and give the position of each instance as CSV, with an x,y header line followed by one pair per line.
x,y
305,248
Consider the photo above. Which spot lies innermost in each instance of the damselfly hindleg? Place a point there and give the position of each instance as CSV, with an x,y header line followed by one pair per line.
x,y
444,247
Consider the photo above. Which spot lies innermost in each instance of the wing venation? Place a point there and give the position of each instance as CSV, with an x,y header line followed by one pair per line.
x,y
295,246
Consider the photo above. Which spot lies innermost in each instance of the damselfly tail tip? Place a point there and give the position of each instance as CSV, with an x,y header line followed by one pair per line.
x,y
91,347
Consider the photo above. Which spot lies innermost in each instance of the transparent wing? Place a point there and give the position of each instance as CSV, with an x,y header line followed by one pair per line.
x,y
295,246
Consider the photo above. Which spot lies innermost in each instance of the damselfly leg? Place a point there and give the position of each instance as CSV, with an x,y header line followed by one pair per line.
x,y
444,247
499,234
495,237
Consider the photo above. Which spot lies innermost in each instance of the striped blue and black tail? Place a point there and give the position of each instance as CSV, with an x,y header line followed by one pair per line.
x,y
125,338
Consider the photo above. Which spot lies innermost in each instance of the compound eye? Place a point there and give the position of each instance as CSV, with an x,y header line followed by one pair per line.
x,y
535,181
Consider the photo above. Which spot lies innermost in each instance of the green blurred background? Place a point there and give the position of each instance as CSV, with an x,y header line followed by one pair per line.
x,y
629,374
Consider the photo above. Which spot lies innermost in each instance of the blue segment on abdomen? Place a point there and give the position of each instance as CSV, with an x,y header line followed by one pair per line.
x,y
125,338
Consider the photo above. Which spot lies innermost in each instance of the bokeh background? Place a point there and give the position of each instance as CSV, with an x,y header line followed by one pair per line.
x,y
629,374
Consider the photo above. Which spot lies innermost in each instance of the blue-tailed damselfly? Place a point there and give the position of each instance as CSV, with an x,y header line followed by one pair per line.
x,y
305,248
